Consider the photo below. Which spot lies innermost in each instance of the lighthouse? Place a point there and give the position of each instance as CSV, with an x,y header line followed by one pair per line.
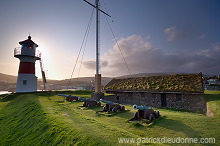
x,y
27,54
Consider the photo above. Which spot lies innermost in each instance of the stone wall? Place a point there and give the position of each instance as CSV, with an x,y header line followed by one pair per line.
x,y
179,100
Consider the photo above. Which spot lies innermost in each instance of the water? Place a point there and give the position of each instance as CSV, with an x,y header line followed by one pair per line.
x,y
4,92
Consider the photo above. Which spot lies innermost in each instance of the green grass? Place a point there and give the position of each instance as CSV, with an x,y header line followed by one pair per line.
x,y
44,119
213,98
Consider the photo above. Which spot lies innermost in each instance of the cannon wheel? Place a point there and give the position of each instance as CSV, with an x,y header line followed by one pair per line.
x,y
104,109
98,103
122,108
151,118
157,114
89,105
136,116
114,109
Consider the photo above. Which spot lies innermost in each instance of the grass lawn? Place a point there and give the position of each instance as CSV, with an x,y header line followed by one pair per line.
x,y
44,119
213,98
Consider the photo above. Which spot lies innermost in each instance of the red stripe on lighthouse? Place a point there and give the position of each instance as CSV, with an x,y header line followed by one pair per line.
x,y
26,68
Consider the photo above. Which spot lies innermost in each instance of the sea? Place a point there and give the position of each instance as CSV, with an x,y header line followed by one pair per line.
x,y
4,92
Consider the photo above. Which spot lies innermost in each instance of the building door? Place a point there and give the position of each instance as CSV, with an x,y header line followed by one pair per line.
x,y
163,100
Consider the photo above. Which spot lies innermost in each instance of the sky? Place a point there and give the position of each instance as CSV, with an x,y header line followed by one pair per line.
x,y
150,36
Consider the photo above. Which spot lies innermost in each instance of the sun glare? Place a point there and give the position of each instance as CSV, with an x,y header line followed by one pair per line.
x,y
45,58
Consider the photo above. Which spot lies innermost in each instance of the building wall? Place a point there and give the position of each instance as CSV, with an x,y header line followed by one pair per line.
x,y
26,83
186,101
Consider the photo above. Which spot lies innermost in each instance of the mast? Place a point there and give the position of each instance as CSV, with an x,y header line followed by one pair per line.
x,y
97,75
97,37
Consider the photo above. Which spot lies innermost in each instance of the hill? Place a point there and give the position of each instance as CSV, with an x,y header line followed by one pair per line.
x,y
13,79
44,119
8,78
85,80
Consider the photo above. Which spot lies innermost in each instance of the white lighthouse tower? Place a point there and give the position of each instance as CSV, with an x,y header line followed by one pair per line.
x,y
27,54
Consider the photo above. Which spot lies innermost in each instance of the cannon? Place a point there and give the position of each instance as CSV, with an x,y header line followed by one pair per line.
x,y
89,102
112,106
145,113
141,107
69,98
107,102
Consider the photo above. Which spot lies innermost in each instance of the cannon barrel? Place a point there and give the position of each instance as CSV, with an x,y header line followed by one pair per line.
x,y
107,102
85,99
141,107
64,95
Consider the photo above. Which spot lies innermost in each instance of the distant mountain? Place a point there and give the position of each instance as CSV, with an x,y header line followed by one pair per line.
x,y
82,80
8,78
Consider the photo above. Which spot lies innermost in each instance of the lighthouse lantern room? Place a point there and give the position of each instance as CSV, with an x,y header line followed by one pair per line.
x,y
27,54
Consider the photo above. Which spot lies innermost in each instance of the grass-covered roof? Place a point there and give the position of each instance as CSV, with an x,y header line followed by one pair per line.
x,y
165,83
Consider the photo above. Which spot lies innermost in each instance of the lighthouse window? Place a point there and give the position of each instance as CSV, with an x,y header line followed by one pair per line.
x,y
24,82
25,46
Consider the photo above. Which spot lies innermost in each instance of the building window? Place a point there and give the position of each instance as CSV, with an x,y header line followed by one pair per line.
x,y
24,82
178,97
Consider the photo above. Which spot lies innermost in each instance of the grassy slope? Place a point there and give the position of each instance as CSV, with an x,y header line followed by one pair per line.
x,y
28,119
213,98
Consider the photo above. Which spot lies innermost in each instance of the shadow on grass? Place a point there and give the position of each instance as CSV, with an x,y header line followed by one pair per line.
x,y
212,97
143,123
110,114
126,114
77,92
8,97
177,126
96,108
24,121
98,111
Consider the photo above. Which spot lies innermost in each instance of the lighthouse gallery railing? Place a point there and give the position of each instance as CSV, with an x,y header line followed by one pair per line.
x,y
17,52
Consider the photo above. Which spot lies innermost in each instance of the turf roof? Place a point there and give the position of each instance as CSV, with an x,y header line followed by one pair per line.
x,y
165,83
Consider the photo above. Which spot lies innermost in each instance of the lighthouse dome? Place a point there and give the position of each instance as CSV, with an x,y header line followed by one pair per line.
x,y
28,42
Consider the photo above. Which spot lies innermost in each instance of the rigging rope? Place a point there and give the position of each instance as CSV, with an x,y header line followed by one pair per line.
x,y
118,45
84,38
83,51
85,41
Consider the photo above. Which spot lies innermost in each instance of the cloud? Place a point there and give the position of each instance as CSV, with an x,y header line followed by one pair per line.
x,y
202,36
91,64
174,34
143,57
216,47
